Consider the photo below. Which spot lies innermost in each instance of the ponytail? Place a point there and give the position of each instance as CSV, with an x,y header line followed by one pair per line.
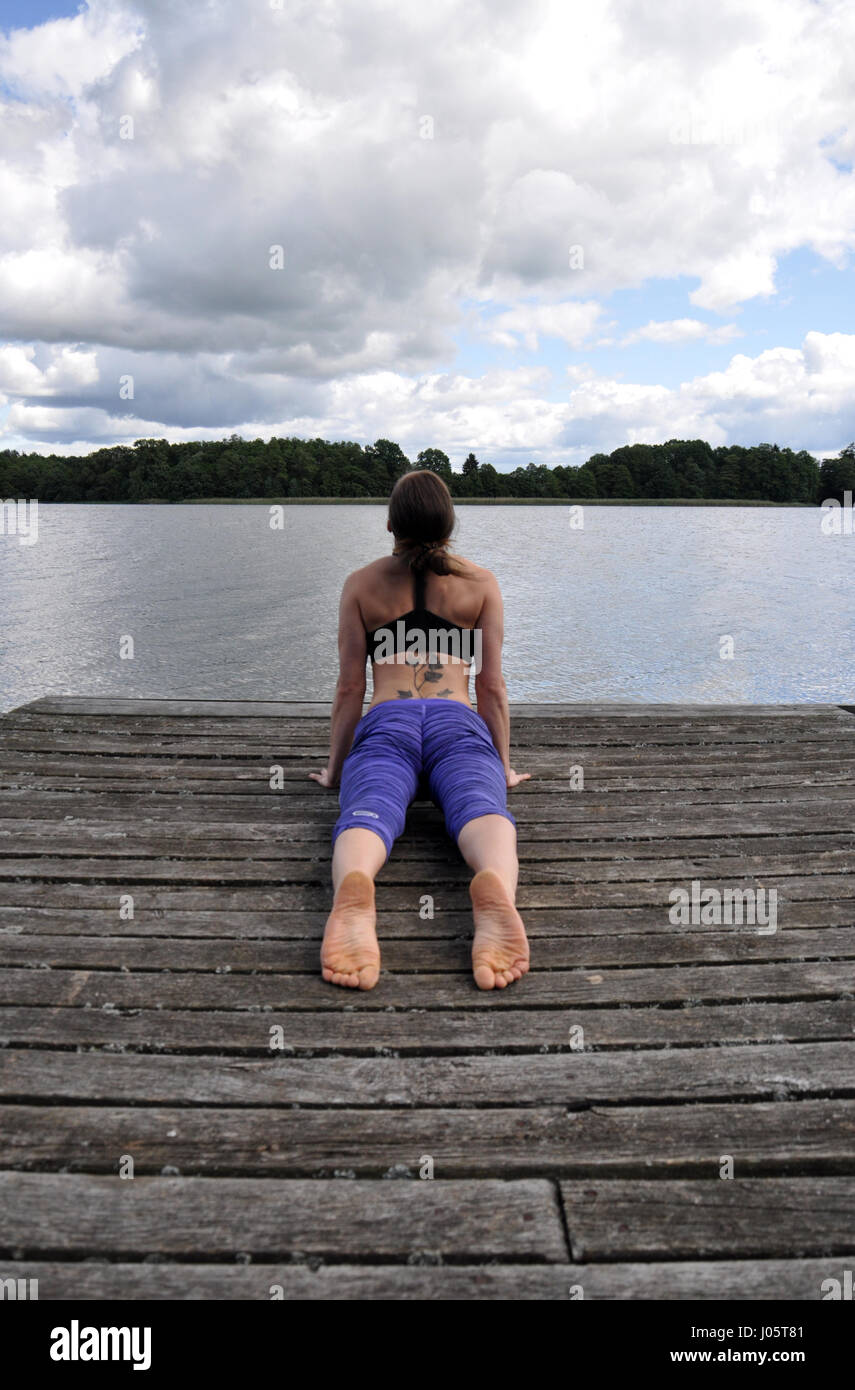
x,y
428,555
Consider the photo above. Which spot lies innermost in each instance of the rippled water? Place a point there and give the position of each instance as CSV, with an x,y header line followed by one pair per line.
x,y
632,606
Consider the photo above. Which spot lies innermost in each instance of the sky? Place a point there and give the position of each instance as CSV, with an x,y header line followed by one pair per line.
x,y
530,229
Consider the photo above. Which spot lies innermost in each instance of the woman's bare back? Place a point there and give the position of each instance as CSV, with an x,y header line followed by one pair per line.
x,y
384,591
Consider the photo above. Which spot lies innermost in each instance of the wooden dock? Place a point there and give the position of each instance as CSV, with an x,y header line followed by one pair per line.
x,y
161,908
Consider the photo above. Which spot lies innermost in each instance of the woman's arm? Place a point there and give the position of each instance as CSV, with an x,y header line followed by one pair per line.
x,y
350,688
491,693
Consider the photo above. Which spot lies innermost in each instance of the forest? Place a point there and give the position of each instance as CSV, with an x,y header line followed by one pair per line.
x,y
154,470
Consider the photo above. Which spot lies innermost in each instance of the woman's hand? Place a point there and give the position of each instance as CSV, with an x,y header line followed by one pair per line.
x,y
513,779
324,778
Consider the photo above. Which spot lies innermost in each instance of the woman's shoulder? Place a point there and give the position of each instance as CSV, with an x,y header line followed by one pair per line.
x,y
376,578
477,573
373,570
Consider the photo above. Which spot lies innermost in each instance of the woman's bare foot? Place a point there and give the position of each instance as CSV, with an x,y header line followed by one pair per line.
x,y
349,954
500,949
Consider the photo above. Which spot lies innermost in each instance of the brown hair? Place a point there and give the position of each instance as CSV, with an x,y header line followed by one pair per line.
x,y
421,514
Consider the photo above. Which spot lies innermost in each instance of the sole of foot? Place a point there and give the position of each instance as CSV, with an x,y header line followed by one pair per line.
x,y
350,955
500,953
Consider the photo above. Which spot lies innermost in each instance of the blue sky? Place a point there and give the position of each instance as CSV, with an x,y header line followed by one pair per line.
x,y
700,163
808,298
26,14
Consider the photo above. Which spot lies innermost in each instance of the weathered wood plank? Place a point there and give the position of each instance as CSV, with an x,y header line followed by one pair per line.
x,y
760,763
636,881
663,811
98,704
615,798
315,894
791,1217
803,895
304,727
154,759
832,761
575,861
246,914
599,728
248,839
666,770
448,1031
540,988
764,765
186,1216
760,1071
146,776
93,706
764,1137
313,712
558,748
432,953
727,1280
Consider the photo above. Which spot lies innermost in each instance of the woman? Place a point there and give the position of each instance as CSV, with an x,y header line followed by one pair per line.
x,y
417,615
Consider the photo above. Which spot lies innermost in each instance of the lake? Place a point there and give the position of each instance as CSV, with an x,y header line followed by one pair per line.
x,y
637,604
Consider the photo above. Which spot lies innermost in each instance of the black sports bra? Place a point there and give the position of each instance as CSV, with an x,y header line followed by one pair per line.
x,y
419,630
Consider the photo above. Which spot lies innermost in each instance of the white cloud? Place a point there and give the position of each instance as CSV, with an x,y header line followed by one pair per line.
x,y
571,321
784,394
680,331
64,57
737,277
68,369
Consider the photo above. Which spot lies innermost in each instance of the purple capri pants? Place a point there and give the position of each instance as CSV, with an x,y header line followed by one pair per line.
x,y
441,746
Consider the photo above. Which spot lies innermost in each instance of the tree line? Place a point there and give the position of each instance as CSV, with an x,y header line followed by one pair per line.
x,y
153,470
